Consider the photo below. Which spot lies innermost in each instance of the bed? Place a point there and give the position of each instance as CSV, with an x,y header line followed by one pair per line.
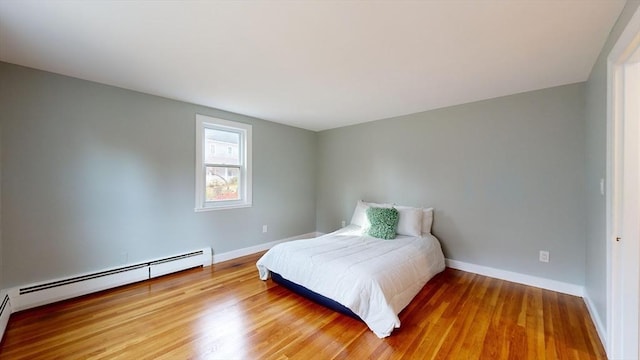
x,y
372,278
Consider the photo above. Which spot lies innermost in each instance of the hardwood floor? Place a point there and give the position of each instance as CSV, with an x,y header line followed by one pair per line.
x,y
226,312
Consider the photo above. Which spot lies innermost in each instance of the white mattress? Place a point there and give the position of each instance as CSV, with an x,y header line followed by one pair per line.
x,y
374,278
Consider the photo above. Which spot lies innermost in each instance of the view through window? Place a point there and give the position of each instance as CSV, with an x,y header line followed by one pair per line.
x,y
223,164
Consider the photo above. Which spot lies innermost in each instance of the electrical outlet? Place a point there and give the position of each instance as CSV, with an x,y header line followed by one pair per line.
x,y
264,228
344,223
544,256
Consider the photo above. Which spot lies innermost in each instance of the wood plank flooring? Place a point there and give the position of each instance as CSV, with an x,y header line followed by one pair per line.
x,y
226,312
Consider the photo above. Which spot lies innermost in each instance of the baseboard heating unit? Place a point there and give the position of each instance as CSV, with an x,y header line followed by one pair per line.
x,y
33,295
5,312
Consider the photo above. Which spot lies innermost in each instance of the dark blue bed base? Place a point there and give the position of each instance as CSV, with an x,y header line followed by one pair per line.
x,y
313,296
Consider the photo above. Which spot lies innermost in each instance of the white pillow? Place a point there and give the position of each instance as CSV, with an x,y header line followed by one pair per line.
x,y
360,213
427,220
409,221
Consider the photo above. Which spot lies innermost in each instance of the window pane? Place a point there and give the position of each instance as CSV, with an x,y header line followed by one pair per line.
x,y
221,147
222,183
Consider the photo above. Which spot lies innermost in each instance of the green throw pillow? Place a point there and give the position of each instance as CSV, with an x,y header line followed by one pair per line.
x,y
384,222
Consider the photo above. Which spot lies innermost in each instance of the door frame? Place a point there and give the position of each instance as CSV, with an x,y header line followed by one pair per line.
x,y
623,177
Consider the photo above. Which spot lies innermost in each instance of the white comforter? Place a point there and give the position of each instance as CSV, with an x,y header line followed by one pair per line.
x,y
374,278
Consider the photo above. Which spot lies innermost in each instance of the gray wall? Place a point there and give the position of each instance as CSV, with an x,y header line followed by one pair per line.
x,y
596,149
93,172
506,177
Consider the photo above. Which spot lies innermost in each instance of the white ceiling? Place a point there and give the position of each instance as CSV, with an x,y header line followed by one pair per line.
x,y
313,64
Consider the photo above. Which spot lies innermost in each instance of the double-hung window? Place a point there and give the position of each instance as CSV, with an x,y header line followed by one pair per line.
x,y
223,164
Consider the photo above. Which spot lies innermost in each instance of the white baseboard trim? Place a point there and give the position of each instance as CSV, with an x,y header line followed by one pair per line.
x,y
597,320
558,286
5,311
233,254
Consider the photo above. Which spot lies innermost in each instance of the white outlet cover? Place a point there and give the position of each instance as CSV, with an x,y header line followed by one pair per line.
x,y
544,256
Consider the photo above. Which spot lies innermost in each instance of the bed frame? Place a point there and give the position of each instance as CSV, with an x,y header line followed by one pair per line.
x,y
313,296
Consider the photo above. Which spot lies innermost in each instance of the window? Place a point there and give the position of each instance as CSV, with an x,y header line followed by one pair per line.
x,y
223,178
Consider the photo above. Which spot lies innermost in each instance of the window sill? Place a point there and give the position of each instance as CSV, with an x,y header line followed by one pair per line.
x,y
227,207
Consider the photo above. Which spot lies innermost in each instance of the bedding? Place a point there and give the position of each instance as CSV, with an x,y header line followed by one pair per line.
x,y
413,221
384,222
360,213
427,220
374,278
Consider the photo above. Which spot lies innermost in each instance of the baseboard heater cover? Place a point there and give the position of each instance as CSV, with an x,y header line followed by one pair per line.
x,y
26,297
5,312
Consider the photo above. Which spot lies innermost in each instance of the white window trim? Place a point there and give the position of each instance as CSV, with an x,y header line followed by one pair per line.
x,y
202,122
